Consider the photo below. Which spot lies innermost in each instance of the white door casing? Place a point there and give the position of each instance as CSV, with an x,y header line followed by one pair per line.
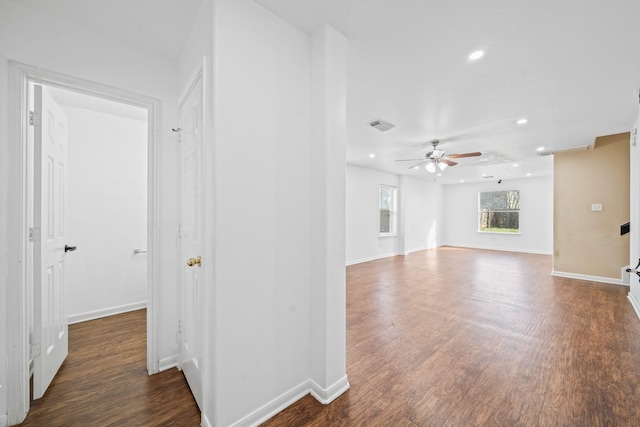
x,y
21,201
191,293
50,332
634,241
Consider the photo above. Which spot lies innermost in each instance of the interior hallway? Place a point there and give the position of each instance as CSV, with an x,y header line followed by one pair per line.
x,y
104,381
462,337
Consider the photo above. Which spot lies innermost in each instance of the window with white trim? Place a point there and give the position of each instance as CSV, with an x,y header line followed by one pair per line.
x,y
499,211
388,211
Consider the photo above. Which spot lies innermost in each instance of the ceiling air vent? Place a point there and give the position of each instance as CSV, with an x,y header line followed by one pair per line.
x,y
381,125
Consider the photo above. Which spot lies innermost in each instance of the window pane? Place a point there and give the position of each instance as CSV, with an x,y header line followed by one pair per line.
x,y
499,211
387,210
500,200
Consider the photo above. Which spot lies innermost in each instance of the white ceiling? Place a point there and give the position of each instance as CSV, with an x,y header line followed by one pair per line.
x,y
159,26
570,67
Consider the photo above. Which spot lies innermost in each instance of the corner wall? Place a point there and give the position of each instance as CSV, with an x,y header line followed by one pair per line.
x,y
261,303
420,215
588,244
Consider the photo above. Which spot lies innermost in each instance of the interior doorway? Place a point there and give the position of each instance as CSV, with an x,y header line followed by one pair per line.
x,y
19,307
94,205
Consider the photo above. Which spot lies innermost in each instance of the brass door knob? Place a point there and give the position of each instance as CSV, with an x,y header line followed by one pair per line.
x,y
194,261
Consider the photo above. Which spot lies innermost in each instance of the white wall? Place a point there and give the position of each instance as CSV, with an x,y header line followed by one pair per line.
x,y
363,216
420,215
262,215
4,248
107,193
52,44
536,216
424,214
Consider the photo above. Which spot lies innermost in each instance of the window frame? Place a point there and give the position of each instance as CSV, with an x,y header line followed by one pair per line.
x,y
480,213
393,211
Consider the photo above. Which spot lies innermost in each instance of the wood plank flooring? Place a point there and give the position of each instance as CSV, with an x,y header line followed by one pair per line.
x,y
104,381
461,337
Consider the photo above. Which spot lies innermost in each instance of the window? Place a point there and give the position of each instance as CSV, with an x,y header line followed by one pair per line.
x,y
499,211
387,211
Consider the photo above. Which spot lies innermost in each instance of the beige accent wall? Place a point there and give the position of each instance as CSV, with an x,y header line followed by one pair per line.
x,y
587,242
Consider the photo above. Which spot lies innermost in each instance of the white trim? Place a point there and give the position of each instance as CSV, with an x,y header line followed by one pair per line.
x,y
634,304
205,421
3,421
328,395
168,363
286,399
97,314
271,408
17,326
20,75
489,248
609,280
373,258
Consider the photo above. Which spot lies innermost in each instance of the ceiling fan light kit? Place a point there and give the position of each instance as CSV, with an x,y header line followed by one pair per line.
x,y
435,159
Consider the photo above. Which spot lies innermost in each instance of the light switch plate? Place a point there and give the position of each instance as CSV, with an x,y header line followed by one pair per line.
x,y
596,207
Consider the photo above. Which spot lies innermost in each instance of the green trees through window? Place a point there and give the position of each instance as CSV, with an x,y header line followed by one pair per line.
x,y
499,211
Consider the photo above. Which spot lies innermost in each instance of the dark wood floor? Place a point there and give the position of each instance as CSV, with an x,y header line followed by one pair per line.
x,y
460,337
446,337
104,381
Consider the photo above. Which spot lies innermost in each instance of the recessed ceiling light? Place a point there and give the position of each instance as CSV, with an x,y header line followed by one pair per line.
x,y
515,165
372,155
540,149
462,180
529,174
476,55
416,167
522,121
439,174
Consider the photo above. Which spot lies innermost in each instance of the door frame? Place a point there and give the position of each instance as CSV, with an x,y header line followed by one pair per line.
x,y
20,76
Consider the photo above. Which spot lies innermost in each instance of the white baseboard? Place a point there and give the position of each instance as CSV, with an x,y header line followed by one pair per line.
x,y
204,422
167,363
634,304
4,422
609,280
373,258
326,396
268,410
91,315
501,249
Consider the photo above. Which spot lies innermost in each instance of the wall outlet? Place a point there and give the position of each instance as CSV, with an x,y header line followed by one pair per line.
x,y
596,207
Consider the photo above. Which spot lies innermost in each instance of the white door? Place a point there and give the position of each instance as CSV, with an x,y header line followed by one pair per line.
x,y
191,291
50,329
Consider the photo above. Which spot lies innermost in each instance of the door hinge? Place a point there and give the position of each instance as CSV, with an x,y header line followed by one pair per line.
x,y
179,326
34,350
34,234
179,231
34,118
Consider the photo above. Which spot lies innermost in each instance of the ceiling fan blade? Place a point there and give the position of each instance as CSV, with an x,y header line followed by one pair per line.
x,y
409,160
459,156
448,162
419,164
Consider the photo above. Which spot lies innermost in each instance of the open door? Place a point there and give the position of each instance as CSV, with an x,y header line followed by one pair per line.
x,y
191,292
50,330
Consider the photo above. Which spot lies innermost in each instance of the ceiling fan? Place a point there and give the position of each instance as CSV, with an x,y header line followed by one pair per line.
x,y
436,159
